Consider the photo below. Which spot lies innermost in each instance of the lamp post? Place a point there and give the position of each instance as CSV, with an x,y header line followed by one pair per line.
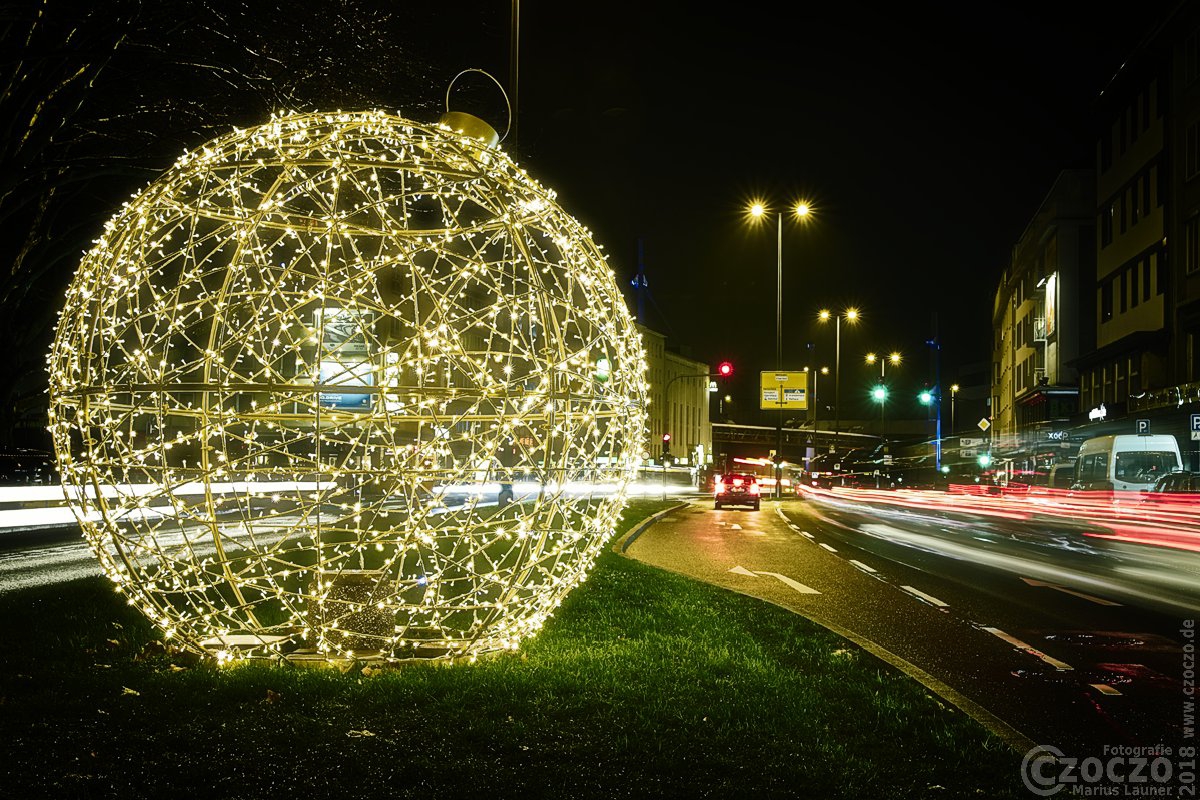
x,y
851,316
953,396
935,397
880,393
757,211
823,371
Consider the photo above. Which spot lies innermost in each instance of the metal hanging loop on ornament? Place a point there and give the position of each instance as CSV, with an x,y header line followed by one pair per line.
x,y
458,116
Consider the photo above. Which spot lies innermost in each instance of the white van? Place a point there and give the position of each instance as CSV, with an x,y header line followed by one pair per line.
x,y
1125,463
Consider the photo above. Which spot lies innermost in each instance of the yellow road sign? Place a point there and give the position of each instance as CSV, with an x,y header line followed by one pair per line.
x,y
783,390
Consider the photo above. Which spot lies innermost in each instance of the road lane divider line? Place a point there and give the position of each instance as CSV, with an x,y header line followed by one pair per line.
x,y
827,547
928,598
1093,598
1061,666
864,567
809,535
1104,688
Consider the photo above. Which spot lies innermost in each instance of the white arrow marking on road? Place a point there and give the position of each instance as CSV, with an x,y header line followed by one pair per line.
x,y
799,587
1061,666
795,584
1099,600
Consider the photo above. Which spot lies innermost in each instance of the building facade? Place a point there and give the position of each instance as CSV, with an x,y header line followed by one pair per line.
x,y
1146,364
1042,316
679,402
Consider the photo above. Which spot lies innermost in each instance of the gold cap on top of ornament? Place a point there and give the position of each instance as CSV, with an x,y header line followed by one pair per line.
x,y
470,125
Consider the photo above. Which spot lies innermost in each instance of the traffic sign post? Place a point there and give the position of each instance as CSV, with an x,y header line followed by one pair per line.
x,y
780,390
1142,427
1195,427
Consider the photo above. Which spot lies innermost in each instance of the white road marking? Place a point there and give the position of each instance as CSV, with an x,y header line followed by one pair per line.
x,y
827,547
735,527
1061,666
806,533
928,598
799,587
862,566
1094,599
784,579
1104,688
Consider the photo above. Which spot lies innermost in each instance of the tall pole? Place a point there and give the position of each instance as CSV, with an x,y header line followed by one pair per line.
x,y
882,405
953,397
779,355
883,399
837,381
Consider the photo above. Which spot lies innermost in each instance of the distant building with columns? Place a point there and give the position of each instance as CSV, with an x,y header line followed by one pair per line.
x,y
679,398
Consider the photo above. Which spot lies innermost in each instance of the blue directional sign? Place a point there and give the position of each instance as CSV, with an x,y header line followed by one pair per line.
x,y
1142,426
1196,427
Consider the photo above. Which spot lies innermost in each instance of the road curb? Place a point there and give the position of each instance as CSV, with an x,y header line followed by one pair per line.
x,y
1019,742
622,544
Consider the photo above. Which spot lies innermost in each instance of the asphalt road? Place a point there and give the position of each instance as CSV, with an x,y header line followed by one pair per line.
x,y
1039,661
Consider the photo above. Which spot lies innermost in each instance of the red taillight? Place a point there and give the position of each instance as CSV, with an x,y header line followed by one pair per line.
x,y
754,488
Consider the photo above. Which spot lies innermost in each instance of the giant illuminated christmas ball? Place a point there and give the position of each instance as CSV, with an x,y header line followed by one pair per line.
x,y
346,386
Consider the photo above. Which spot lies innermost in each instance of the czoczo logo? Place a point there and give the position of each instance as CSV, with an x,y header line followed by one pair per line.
x,y
1034,773
1046,770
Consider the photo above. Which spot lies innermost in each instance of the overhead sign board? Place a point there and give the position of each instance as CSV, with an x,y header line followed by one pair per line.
x,y
780,390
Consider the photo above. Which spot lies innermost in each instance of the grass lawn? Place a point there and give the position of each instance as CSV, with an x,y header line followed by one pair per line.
x,y
645,684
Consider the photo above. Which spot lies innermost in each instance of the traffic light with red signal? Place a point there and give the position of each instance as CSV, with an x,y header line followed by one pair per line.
x,y
724,369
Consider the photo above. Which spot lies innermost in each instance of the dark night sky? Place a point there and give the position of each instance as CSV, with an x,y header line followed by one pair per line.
x,y
925,134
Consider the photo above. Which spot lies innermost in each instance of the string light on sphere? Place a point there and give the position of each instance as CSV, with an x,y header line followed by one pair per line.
x,y
293,376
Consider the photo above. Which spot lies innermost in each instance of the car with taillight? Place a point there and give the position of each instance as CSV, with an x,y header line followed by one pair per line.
x,y
737,489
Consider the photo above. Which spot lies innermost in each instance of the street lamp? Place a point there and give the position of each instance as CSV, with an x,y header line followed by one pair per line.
x,y
936,344
953,395
758,211
880,393
851,316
